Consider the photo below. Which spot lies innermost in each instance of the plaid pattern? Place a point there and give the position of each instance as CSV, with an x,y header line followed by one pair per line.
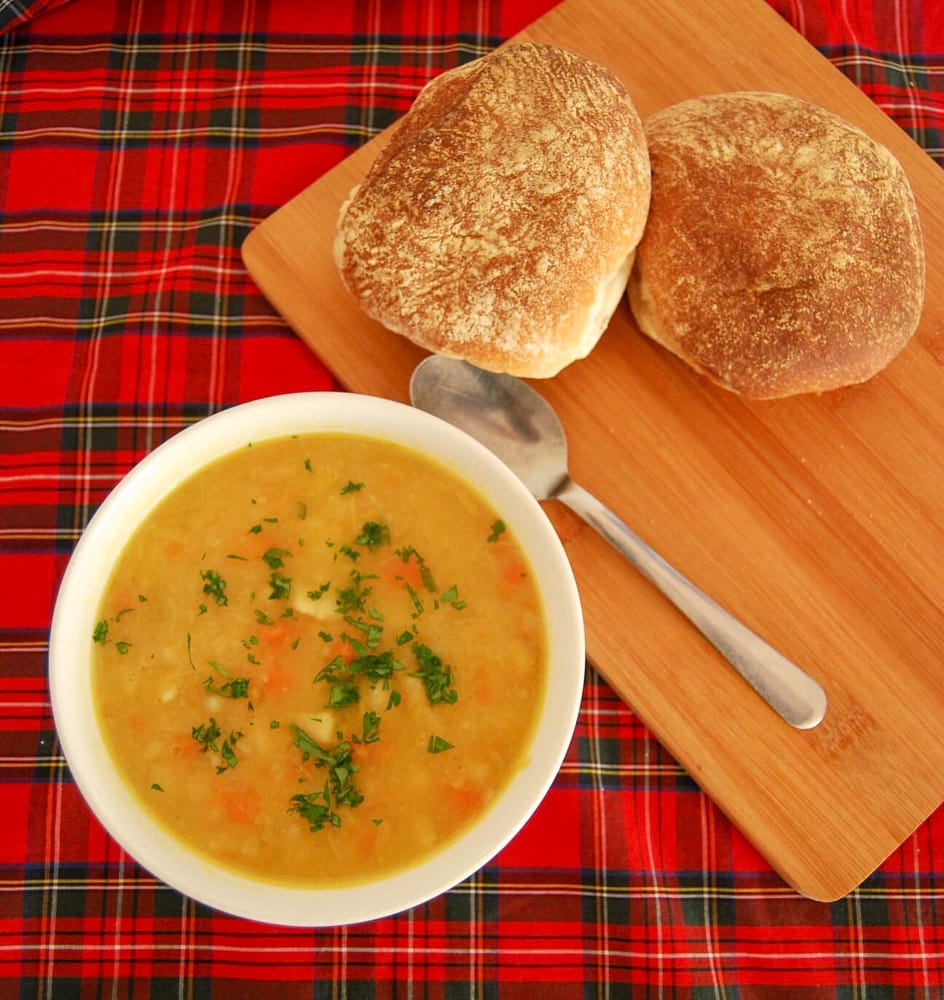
x,y
139,143
14,13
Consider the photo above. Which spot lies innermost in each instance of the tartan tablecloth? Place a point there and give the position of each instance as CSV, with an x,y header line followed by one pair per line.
x,y
139,144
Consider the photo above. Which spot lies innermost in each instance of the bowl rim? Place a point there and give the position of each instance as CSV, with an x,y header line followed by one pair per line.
x,y
123,814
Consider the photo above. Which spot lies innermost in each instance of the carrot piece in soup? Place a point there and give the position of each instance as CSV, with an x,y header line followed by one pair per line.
x,y
463,800
403,573
240,804
279,635
514,571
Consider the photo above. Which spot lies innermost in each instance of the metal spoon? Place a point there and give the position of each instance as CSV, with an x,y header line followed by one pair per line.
x,y
520,427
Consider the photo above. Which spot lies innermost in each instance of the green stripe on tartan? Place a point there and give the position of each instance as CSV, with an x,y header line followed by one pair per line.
x,y
919,80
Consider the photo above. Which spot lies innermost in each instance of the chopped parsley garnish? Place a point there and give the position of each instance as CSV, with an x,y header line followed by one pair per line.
x,y
406,554
281,587
451,596
436,677
215,586
227,753
498,529
274,557
372,631
233,687
315,813
354,598
319,808
371,728
262,618
377,668
351,487
352,553
318,592
437,745
373,534
343,693
208,735
100,633
415,598
157,787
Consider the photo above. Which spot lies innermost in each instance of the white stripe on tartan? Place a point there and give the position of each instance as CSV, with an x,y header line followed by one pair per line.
x,y
267,47
601,863
712,942
658,890
185,90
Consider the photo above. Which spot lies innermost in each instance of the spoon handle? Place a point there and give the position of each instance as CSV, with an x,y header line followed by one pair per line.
x,y
789,691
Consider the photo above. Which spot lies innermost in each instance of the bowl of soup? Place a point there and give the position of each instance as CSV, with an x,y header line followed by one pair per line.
x,y
316,659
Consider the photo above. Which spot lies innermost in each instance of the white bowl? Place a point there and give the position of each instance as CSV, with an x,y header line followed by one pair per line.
x,y
70,657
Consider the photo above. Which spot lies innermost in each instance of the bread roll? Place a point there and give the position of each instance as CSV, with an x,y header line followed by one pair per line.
x,y
782,252
499,222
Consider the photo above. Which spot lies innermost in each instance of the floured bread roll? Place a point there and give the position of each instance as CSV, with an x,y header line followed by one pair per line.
x,y
782,253
498,224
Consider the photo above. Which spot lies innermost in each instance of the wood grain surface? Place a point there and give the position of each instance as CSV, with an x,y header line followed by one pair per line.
x,y
817,520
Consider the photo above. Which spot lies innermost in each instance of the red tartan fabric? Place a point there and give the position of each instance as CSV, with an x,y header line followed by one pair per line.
x,y
139,144
14,13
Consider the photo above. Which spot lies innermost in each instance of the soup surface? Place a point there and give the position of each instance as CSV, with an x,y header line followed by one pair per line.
x,y
320,659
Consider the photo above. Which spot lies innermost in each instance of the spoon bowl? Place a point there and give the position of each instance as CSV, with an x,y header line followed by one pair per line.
x,y
501,412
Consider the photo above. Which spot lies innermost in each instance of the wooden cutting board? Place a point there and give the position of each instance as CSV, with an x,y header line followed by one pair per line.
x,y
816,520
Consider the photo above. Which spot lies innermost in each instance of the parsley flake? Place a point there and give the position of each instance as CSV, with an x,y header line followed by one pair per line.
x,y
436,677
215,586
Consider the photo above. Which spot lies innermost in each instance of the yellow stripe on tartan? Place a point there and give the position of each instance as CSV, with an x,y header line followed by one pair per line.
x,y
25,646
119,321
97,136
270,48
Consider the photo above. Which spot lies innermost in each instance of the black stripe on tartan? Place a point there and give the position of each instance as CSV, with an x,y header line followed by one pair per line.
x,y
48,766
242,120
364,119
102,432
913,76
13,60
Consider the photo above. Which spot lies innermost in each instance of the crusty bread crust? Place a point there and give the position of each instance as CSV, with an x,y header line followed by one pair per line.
x,y
499,222
783,252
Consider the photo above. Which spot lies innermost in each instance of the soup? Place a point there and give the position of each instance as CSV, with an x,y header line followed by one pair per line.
x,y
319,660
